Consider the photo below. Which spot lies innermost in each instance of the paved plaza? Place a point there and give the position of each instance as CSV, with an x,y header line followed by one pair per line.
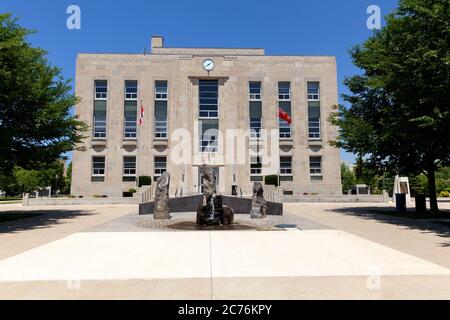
x,y
329,251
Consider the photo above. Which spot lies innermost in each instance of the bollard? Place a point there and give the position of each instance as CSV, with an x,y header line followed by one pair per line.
x,y
421,205
400,202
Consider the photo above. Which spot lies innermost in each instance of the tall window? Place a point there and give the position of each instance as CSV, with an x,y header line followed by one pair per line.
x,y
100,102
98,169
129,168
160,167
315,168
209,135
255,111
284,103
255,119
313,110
161,96
209,99
130,110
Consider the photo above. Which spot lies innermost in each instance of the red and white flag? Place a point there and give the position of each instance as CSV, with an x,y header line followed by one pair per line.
x,y
141,115
284,115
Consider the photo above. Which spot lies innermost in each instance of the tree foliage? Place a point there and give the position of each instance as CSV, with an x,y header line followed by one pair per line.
x,y
400,108
36,125
348,178
23,180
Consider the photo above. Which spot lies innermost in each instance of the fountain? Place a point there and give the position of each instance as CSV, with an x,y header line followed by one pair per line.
x,y
211,211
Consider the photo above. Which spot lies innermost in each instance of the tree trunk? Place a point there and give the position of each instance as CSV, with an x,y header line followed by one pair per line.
x,y
432,189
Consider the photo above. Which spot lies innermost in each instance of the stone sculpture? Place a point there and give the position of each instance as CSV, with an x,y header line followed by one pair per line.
x,y
211,211
161,203
259,204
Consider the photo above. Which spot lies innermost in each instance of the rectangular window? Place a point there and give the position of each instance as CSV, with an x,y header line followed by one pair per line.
x,y
284,126
255,112
314,120
129,168
315,167
160,167
100,119
130,120
313,91
255,165
131,90
208,98
209,136
98,166
286,166
161,119
161,92
284,90
101,89
254,88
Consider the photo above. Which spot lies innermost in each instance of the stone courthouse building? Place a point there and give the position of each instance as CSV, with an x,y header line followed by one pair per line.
x,y
143,109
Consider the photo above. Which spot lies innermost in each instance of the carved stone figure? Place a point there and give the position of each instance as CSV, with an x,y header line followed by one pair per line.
x,y
161,203
259,204
208,180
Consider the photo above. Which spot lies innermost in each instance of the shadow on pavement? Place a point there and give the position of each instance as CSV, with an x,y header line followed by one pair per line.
x,y
41,219
432,225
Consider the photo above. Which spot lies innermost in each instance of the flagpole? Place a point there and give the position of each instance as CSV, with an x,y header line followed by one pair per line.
x,y
139,132
277,123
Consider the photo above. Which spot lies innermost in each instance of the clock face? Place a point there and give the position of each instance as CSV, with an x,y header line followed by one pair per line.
x,y
208,64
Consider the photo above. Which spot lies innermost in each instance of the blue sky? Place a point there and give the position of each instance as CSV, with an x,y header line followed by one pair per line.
x,y
318,27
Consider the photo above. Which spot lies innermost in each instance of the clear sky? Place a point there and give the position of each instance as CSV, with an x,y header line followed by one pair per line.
x,y
313,27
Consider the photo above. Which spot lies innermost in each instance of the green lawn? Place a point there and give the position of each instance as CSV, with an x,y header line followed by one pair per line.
x,y
412,214
10,199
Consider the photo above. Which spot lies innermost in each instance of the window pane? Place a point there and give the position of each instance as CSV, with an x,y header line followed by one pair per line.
x,y
98,166
131,89
101,89
313,91
100,119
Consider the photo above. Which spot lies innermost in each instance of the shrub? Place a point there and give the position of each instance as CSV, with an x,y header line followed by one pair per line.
x,y
444,194
132,190
271,180
145,181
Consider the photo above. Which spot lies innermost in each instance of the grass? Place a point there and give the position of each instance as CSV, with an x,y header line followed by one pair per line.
x,y
10,199
6,217
413,214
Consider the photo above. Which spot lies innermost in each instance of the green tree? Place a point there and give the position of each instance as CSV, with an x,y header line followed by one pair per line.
x,y
36,125
348,178
399,116
27,180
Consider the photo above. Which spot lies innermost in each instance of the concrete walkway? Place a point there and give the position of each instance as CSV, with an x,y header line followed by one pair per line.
x,y
356,257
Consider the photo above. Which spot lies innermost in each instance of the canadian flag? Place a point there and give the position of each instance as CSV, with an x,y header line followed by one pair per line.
x,y
284,115
141,115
